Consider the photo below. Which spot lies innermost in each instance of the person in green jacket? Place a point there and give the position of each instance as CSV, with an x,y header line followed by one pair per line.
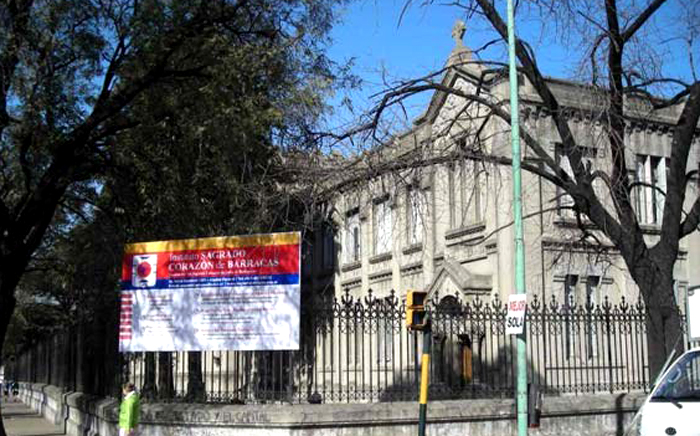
x,y
129,411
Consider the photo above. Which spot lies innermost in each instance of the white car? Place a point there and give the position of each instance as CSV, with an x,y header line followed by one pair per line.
x,y
673,407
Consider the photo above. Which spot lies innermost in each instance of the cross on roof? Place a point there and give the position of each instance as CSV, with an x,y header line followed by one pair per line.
x,y
458,32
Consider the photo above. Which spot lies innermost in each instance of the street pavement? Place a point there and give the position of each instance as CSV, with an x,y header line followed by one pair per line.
x,y
20,420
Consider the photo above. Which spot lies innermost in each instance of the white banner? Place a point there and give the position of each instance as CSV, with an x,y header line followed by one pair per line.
x,y
232,293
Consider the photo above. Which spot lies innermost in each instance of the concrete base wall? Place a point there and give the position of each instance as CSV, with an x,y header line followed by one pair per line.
x,y
565,415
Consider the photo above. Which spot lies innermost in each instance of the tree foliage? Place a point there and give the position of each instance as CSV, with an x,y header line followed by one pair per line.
x,y
127,120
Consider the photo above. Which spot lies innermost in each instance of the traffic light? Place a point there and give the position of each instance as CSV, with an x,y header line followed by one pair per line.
x,y
416,316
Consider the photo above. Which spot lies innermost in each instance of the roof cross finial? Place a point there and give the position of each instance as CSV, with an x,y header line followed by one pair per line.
x,y
458,32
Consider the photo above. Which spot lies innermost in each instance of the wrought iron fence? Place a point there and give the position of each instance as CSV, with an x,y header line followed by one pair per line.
x,y
359,350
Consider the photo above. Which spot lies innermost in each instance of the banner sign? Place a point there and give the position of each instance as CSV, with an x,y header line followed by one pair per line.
x,y
225,293
515,319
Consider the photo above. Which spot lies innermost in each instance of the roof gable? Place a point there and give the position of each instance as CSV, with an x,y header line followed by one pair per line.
x,y
452,277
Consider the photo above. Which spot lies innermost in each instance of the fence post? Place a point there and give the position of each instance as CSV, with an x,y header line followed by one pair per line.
x,y
606,307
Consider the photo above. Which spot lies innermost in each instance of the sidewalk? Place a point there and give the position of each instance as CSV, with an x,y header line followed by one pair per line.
x,y
20,420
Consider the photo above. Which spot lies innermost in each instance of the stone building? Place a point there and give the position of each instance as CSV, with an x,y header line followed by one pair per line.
x,y
444,222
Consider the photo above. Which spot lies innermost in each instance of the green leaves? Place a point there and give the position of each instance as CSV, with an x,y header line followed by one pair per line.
x,y
148,120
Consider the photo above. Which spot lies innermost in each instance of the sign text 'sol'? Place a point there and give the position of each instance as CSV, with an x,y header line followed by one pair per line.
x,y
515,320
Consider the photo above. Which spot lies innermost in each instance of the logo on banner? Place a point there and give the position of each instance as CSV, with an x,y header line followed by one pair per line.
x,y
144,271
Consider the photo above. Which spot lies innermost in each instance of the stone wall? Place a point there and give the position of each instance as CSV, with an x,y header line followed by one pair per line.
x,y
84,415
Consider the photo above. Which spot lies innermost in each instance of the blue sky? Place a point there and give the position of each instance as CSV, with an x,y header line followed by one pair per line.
x,y
384,49
371,34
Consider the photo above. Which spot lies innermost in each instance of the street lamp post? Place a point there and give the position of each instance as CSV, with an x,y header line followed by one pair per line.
x,y
521,388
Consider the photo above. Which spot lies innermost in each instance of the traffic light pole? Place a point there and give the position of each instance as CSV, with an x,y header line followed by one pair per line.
x,y
418,319
424,380
521,388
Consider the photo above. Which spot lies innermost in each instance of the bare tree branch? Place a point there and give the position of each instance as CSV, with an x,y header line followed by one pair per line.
x,y
641,19
691,221
592,206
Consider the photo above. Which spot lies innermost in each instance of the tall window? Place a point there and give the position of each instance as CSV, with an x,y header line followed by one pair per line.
x,y
574,286
382,225
470,190
564,201
353,247
385,332
649,199
328,247
466,192
592,283
414,215
452,172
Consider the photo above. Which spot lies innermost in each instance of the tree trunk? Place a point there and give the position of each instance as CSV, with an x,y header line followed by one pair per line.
x,y
664,334
166,386
111,373
195,384
7,307
149,389
663,320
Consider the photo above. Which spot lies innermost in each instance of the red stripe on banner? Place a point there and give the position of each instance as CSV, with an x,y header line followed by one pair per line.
x,y
268,260
127,261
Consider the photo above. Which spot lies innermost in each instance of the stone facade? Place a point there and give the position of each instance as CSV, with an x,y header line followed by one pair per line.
x,y
446,225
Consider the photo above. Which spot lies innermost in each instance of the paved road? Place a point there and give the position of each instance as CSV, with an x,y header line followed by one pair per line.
x,y
20,420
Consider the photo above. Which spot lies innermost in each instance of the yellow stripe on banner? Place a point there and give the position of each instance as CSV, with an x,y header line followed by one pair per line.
x,y
290,238
425,369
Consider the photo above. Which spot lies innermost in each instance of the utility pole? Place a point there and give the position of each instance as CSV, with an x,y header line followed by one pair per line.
x,y
521,388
